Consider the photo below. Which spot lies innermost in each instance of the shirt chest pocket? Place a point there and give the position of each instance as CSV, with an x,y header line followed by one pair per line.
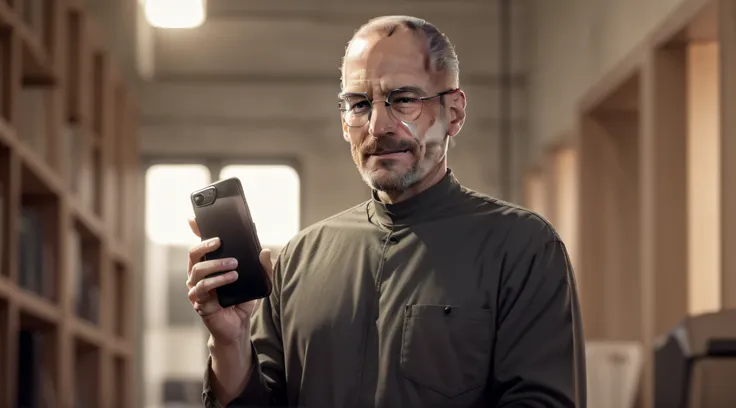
x,y
446,348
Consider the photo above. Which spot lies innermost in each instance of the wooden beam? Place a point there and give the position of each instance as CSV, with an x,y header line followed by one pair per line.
x,y
590,229
704,184
663,161
727,33
65,345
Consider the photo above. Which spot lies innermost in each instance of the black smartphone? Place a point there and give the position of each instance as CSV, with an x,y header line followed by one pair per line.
x,y
221,211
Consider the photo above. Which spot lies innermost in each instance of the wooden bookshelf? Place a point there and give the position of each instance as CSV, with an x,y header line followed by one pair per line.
x,y
69,212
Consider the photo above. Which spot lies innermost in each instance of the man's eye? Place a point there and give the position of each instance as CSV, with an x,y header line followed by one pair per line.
x,y
360,106
405,100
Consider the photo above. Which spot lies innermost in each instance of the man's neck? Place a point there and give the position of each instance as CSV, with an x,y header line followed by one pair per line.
x,y
434,177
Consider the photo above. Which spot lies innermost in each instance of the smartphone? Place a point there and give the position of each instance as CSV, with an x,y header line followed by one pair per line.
x,y
221,211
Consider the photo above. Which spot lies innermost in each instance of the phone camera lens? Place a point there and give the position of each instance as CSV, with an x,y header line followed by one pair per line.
x,y
198,199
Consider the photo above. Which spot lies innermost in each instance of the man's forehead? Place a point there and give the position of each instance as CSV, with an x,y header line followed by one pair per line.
x,y
384,85
391,62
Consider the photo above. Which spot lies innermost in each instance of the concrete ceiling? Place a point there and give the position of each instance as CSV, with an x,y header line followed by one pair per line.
x,y
333,9
303,41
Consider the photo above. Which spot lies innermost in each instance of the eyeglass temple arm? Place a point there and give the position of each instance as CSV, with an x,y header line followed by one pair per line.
x,y
448,92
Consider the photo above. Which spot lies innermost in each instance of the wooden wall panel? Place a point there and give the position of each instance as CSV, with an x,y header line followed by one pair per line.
x,y
727,45
663,197
704,166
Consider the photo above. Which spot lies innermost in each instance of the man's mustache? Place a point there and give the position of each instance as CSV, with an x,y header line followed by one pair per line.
x,y
388,144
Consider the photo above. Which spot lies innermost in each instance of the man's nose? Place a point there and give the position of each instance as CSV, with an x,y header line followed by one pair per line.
x,y
381,121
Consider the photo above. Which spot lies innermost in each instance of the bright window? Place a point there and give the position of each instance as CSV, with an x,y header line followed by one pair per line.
x,y
168,206
272,192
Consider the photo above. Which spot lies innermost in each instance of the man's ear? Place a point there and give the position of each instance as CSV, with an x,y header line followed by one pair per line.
x,y
455,104
345,130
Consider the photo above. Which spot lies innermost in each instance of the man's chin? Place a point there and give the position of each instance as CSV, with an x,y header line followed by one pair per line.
x,y
388,180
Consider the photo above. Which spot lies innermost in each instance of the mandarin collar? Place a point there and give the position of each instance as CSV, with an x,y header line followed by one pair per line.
x,y
418,208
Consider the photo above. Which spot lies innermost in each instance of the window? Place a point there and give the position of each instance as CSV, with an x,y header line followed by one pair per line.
x,y
167,202
171,327
272,192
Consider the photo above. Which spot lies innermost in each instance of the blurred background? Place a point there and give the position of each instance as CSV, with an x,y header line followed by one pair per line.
x,y
614,119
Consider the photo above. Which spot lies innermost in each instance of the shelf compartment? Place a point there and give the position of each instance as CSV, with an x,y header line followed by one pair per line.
x,y
34,101
75,66
121,391
6,73
86,374
5,202
37,362
38,243
37,37
119,299
118,159
85,267
4,349
98,90
33,118
84,167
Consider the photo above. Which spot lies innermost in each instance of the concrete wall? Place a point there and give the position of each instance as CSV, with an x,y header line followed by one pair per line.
x,y
573,44
260,79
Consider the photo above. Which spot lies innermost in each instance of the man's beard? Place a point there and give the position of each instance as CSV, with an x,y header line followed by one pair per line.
x,y
394,182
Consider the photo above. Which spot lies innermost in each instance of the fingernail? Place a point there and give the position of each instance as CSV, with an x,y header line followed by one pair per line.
x,y
231,263
213,242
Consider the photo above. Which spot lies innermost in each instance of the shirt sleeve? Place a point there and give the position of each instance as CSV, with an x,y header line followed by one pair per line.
x,y
267,382
539,358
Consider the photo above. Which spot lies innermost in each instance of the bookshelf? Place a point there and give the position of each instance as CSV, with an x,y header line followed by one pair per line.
x,y
69,211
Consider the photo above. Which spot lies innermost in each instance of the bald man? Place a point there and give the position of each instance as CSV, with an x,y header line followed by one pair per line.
x,y
426,295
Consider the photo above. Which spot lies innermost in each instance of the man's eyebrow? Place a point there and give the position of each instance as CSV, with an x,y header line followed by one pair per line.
x,y
409,88
344,95
405,88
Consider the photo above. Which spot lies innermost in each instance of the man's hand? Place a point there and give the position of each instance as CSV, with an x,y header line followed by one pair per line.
x,y
226,325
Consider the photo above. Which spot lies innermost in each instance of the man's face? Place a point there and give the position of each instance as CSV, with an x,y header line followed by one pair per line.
x,y
394,154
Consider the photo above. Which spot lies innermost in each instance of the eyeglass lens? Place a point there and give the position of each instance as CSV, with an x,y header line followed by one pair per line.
x,y
403,105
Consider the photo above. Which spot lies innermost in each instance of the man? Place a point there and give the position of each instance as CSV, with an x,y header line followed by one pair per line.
x,y
426,295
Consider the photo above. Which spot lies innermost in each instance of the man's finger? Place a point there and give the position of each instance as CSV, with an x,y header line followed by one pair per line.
x,y
207,308
202,270
203,288
265,258
194,297
197,252
195,228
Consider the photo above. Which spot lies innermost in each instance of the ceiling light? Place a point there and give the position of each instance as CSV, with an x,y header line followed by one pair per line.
x,y
175,13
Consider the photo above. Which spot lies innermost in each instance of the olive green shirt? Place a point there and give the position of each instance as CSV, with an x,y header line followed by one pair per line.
x,y
450,298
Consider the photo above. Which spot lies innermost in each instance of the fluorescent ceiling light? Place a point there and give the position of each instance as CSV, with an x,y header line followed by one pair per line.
x,y
175,13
